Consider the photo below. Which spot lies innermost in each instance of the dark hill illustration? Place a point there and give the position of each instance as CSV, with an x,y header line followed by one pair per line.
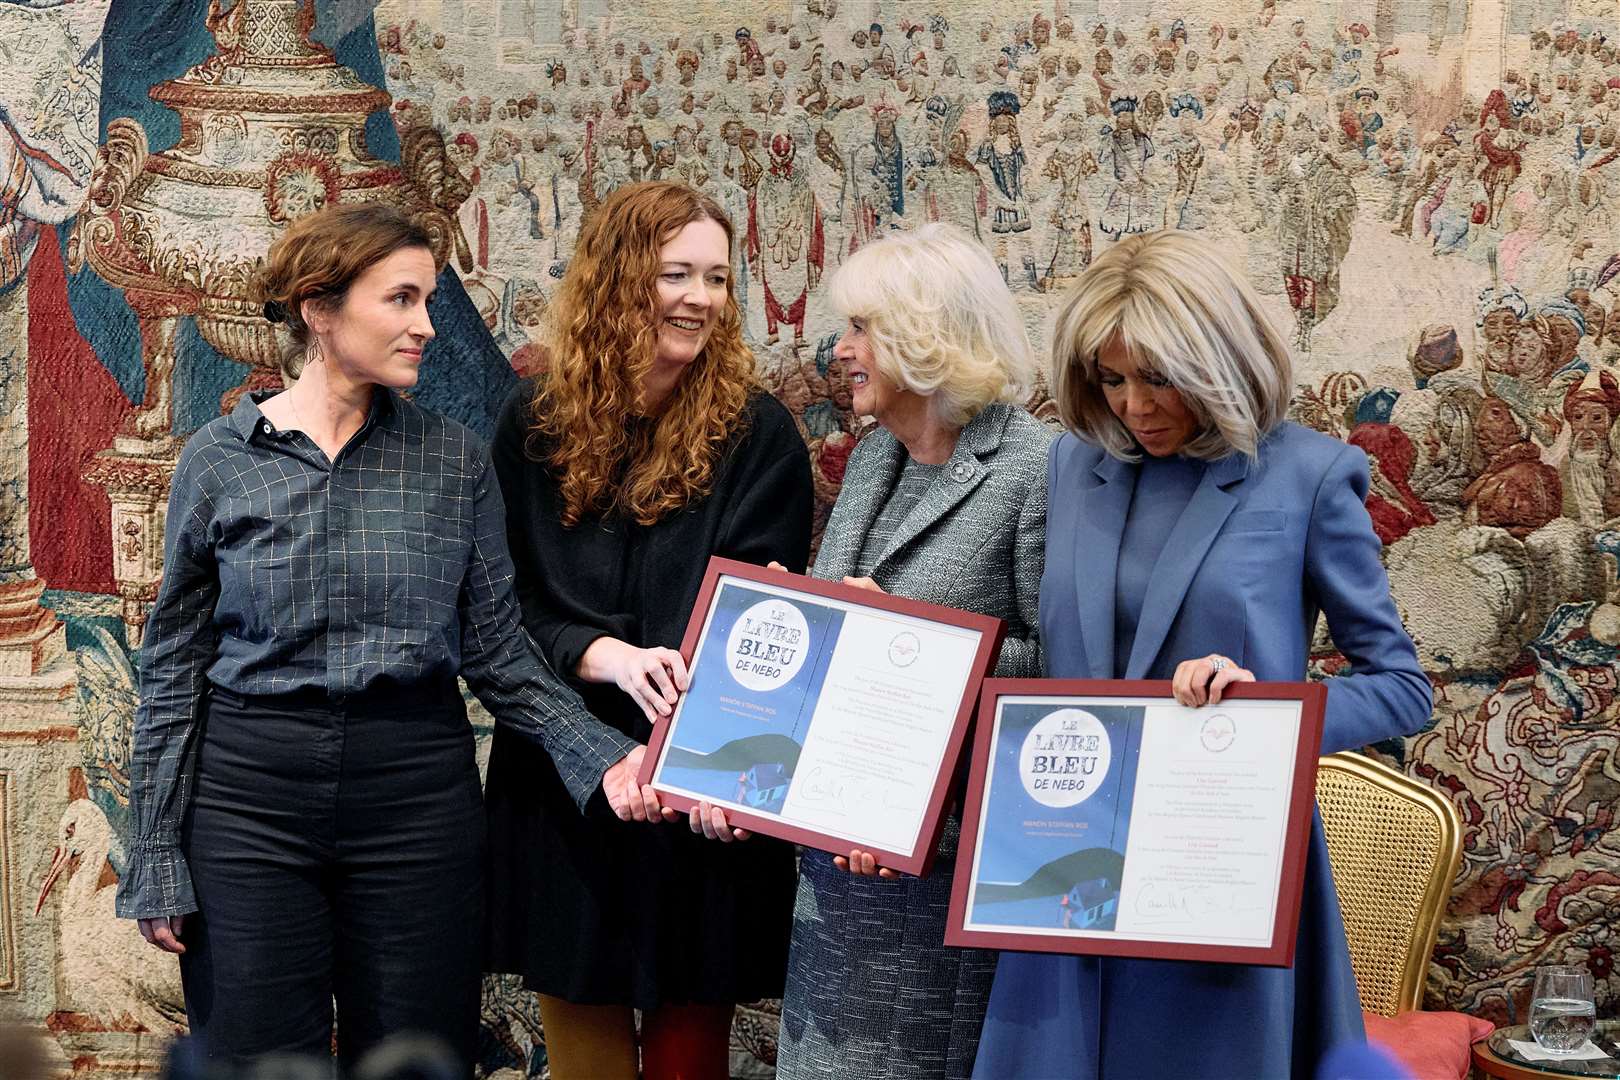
x,y
1059,876
739,754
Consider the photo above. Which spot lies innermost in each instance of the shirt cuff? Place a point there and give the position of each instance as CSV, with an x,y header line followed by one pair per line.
x,y
603,747
156,883
568,647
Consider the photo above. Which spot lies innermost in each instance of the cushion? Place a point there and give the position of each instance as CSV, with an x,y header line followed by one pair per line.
x,y
1433,1045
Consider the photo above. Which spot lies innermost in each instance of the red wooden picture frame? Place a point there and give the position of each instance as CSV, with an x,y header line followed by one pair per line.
x,y
1297,830
991,630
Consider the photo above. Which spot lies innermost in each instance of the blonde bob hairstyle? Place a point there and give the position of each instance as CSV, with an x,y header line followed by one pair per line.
x,y
940,319
1183,312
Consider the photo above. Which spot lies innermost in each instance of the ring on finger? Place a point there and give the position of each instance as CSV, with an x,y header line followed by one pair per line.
x,y
1219,663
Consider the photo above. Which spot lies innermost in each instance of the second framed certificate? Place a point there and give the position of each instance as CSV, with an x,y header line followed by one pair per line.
x,y
1104,818
820,713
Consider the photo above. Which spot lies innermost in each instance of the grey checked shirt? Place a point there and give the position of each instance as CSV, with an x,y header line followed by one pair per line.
x,y
284,572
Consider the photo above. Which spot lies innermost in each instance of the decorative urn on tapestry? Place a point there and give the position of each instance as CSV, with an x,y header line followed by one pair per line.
x,y
271,127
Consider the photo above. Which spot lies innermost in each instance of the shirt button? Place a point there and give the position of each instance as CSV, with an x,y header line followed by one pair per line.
x,y
265,426
962,472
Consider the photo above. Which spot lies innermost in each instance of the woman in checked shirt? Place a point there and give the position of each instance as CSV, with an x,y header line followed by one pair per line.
x,y
307,820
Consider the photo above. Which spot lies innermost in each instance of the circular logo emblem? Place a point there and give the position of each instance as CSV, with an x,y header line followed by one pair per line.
x,y
767,645
1218,732
904,649
1065,756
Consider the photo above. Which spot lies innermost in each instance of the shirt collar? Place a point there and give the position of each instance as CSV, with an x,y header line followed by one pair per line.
x,y
247,419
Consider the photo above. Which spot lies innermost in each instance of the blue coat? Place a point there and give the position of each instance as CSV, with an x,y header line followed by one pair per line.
x,y
1260,550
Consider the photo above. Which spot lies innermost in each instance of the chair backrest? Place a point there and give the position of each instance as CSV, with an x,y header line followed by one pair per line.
x,y
1394,845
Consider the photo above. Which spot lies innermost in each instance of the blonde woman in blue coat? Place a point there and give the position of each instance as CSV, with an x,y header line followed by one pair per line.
x,y
1194,535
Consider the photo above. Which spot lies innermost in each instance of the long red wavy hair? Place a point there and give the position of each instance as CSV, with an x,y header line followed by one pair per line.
x,y
602,331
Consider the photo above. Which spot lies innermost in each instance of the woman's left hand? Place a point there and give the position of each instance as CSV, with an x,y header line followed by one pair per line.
x,y
863,583
1202,681
632,801
863,864
711,821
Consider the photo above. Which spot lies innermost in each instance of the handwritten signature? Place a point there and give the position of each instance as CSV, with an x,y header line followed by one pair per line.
x,y
850,793
1162,902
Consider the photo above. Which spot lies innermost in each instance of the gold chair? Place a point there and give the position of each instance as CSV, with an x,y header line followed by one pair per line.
x,y
1395,846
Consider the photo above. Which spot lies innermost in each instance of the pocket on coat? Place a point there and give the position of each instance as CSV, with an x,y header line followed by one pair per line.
x,y
1255,521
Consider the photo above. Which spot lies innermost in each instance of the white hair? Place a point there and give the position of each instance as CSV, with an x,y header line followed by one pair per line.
x,y
1181,310
940,318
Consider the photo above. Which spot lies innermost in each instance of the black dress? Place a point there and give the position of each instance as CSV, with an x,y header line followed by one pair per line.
x,y
592,909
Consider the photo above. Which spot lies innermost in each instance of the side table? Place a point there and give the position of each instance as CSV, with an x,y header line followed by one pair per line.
x,y
1495,1057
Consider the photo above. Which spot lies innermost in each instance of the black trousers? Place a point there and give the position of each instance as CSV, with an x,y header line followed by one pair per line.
x,y
337,853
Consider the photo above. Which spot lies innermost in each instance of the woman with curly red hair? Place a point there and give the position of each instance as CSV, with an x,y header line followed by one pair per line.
x,y
646,447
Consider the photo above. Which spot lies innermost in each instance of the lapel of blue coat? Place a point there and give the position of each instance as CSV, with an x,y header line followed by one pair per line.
x,y
963,472
1190,540
1096,545
866,487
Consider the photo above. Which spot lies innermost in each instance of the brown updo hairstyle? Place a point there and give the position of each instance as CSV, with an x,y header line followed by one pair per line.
x,y
320,256
601,340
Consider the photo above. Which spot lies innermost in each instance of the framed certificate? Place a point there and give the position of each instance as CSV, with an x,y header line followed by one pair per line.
x,y
1104,818
820,713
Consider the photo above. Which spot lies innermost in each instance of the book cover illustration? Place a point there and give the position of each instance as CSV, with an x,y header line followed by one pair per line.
x,y
1060,791
753,692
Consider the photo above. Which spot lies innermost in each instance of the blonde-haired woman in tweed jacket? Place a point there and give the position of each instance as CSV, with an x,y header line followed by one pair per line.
x,y
945,502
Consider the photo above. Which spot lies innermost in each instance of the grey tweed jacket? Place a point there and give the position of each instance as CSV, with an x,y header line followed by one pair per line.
x,y
977,539
873,993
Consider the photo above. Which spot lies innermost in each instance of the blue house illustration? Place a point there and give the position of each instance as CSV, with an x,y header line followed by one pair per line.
x,y
1088,903
763,784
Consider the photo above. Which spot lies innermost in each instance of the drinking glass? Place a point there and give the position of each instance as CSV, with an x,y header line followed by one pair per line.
x,y
1562,1016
